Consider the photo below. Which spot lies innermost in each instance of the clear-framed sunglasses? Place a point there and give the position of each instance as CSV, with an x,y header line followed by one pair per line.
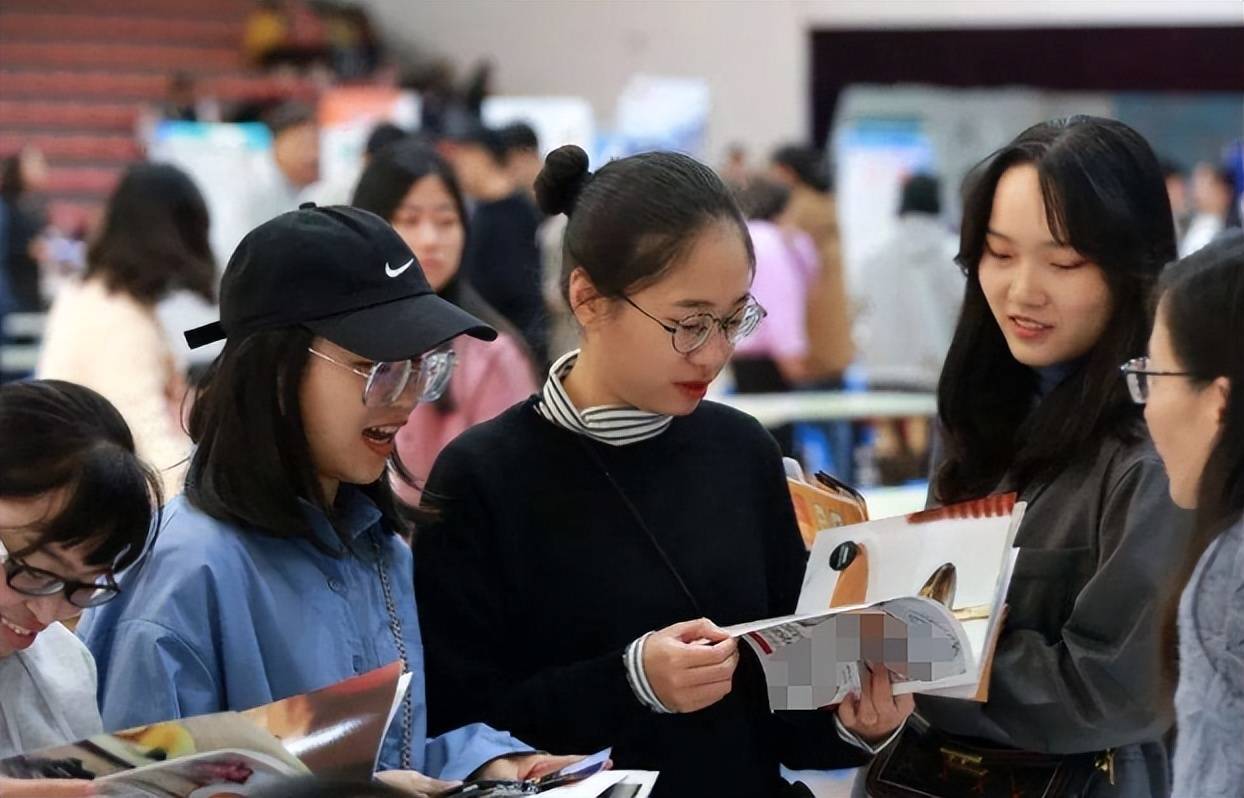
x,y
1137,372
427,376
693,332
35,582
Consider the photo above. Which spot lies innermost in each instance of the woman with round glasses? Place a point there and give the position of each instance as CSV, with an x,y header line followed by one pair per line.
x,y
580,543
283,568
1192,386
76,508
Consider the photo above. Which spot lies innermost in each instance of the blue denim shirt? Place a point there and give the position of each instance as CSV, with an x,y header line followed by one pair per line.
x,y
221,620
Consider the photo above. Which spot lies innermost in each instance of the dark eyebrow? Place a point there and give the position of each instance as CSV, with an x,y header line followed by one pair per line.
x,y
1051,244
697,304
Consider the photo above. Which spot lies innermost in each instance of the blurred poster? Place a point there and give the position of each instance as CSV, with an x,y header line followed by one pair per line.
x,y
347,116
656,112
873,157
556,120
221,159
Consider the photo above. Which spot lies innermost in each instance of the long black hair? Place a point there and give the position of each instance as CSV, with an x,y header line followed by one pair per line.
x,y
1104,197
252,464
1201,300
383,185
154,236
61,436
631,221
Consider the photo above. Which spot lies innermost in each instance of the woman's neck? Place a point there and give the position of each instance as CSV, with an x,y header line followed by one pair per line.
x,y
585,384
329,487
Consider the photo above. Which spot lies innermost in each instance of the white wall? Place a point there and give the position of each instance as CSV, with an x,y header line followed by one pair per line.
x,y
754,53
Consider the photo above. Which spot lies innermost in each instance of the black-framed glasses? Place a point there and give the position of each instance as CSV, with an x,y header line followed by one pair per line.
x,y
694,331
1137,372
388,381
38,583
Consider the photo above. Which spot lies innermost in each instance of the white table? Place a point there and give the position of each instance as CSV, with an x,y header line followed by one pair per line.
x,y
24,325
19,358
773,410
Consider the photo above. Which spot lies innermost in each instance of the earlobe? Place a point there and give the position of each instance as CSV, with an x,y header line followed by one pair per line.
x,y
585,300
1222,395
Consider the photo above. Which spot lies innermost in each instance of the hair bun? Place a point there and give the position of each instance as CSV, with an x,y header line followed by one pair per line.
x,y
562,179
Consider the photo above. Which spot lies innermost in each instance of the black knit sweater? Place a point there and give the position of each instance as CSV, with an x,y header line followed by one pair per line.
x,y
535,577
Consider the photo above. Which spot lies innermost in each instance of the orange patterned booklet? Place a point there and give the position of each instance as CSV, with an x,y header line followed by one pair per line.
x,y
335,731
922,595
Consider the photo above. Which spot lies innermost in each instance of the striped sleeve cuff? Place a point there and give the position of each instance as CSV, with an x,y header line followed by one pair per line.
x,y
635,676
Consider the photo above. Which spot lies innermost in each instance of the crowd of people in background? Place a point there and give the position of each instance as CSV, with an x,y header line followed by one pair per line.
x,y
475,353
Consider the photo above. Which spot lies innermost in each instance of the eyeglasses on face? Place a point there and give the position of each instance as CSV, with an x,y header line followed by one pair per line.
x,y
24,578
1138,372
386,382
694,331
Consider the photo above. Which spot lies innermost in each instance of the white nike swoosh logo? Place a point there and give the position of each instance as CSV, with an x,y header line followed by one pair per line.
x,y
395,272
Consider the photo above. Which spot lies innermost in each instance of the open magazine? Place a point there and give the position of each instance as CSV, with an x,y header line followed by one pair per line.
x,y
587,778
923,595
336,731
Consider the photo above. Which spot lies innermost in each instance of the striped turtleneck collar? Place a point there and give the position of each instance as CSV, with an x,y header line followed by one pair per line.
x,y
616,425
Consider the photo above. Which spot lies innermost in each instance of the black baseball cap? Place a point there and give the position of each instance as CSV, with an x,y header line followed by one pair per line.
x,y
343,273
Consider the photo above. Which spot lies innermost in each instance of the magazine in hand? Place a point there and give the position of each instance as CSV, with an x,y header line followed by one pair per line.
x,y
587,778
923,595
336,731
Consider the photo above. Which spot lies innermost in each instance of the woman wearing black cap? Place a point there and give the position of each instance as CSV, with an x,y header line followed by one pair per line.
x,y
617,502
282,568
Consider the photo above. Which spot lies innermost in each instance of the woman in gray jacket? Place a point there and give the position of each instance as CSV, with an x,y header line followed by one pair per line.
x,y
1064,233
1192,386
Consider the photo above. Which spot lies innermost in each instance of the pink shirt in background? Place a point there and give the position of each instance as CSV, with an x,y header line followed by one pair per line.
x,y
785,267
489,377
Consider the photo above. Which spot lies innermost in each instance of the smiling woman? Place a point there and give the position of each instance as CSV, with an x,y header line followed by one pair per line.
x,y
621,506
1065,231
76,508
283,567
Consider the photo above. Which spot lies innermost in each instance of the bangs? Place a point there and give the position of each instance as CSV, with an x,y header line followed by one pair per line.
x,y
115,538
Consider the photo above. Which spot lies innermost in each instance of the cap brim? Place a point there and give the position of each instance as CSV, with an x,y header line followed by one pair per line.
x,y
401,329
202,336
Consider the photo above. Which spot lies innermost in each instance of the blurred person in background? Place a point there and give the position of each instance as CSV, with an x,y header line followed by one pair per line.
x,y
502,258
103,331
912,290
735,170
286,178
1176,177
522,155
22,176
339,190
775,358
1214,200
183,101
812,210
415,190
